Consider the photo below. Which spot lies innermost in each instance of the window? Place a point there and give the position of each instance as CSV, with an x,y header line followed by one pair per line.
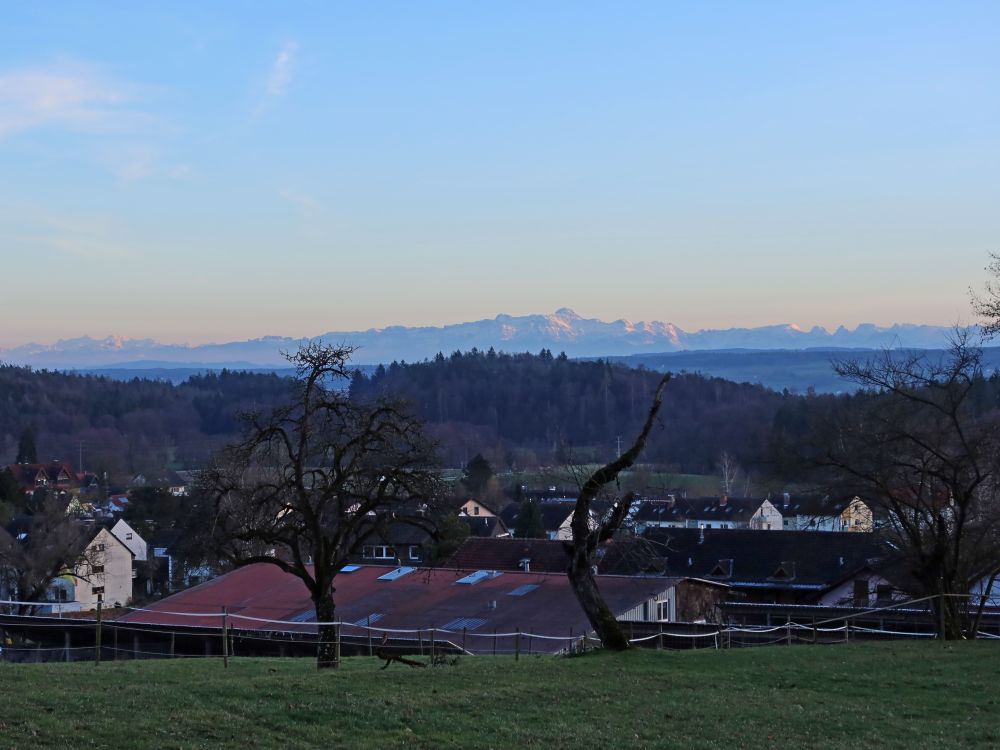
x,y
128,535
97,590
100,548
475,510
663,610
414,551
378,552
98,569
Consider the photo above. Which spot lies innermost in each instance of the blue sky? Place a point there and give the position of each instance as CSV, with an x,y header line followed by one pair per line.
x,y
205,172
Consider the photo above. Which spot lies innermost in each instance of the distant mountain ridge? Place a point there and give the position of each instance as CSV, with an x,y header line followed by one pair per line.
x,y
562,330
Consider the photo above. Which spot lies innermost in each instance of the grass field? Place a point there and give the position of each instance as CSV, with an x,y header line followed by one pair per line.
x,y
888,695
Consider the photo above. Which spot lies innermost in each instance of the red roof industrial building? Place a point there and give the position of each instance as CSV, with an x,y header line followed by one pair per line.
x,y
461,606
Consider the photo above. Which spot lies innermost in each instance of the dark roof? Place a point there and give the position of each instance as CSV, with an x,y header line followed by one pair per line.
x,y
554,514
424,598
735,509
506,554
750,558
26,474
811,505
485,526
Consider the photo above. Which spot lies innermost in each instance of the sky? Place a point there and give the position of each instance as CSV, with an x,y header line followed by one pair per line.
x,y
196,172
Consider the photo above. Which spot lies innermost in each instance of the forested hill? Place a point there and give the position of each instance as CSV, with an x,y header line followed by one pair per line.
x,y
524,408
127,427
521,410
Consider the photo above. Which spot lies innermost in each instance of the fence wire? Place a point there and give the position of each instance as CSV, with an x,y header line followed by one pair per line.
x,y
265,636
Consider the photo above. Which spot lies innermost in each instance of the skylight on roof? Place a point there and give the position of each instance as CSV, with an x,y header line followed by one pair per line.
x,y
464,623
351,568
397,573
522,590
308,616
479,575
372,618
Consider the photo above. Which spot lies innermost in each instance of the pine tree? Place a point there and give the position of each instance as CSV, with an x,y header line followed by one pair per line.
x,y
26,451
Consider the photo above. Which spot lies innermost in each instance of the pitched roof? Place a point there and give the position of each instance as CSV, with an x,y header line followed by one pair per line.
x,y
544,555
750,558
485,526
425,598
554,513
26,475
811,505
733,509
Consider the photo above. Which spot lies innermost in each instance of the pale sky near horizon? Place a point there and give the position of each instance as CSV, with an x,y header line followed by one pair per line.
x,y
220,171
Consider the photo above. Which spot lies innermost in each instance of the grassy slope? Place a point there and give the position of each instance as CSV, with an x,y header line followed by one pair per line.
x,y
867,695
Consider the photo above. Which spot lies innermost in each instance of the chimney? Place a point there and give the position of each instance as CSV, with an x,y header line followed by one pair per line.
x,y
671,500
701,536
786,499
525,564
724,501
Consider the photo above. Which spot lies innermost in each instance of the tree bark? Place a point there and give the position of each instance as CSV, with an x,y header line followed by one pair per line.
x,y
326,657
601,618
583,547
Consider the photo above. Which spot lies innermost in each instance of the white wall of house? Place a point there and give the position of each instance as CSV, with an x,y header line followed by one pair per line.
x,y
846,594
104,572
661,608
767,517
131,539
475,509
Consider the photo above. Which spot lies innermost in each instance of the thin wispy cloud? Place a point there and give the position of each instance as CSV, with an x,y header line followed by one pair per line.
x,y
96,238
73,96
282,70
303,201
279,76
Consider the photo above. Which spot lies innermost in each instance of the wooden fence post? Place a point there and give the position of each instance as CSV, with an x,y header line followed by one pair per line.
x,y
517,645
336,646
464,630
225,639
494,641
788,631
370,651
97,637
432,644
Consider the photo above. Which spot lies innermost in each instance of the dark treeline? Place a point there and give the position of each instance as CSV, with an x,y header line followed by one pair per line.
x,y
521,410
127,427
527,409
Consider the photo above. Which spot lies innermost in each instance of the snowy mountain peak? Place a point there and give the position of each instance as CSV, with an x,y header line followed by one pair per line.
x,y
563,330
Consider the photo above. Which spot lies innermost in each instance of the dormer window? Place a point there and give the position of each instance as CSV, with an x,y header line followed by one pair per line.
x,y
785,571
722,569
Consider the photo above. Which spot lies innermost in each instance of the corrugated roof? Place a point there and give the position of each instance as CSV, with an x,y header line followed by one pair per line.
x,y
425,599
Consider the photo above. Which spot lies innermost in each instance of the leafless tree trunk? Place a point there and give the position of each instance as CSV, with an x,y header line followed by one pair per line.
x,y
313,479
922,445
582,549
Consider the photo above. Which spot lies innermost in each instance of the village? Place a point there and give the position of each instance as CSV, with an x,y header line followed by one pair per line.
x,y
681,562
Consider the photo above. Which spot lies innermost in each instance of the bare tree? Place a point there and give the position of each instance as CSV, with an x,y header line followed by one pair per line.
x,y
40,547
312,479
922,444
587,537
729,472
987,304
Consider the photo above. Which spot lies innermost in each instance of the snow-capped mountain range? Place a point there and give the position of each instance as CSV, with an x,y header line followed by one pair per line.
x,y
563,330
